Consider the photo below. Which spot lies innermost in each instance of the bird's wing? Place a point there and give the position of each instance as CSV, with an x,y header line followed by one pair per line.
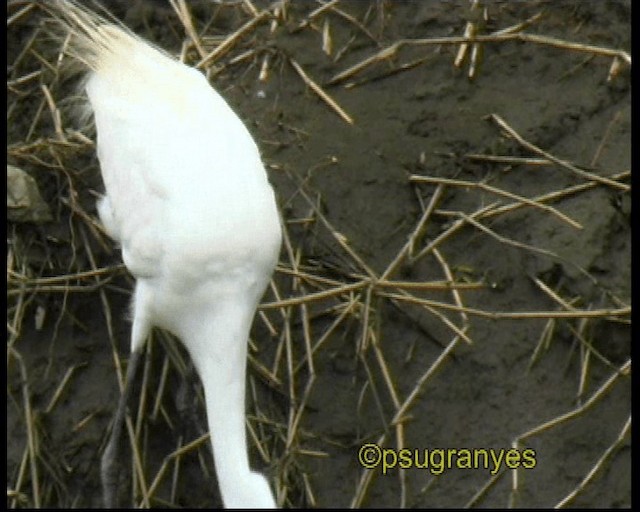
x,y
132,211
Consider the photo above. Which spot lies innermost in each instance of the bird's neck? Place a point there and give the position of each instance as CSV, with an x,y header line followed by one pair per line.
x,y
218,347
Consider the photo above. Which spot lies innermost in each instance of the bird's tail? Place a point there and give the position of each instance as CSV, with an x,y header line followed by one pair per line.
x,y
101,45
91,38
84,34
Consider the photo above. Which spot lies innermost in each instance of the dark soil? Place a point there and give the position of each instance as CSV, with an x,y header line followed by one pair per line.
x,y
421,120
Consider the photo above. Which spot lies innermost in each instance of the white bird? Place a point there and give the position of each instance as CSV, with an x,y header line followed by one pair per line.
x,y
188,199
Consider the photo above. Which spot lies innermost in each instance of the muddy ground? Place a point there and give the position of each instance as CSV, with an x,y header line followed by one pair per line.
x,y
413,113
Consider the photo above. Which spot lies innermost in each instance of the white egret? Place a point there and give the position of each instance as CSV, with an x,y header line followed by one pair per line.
x,y
187,198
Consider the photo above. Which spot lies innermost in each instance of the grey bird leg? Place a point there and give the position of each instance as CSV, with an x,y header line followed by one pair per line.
x,y
108,467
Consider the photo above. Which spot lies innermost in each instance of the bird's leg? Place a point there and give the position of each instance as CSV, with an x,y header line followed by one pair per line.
x,y
187,405
108,468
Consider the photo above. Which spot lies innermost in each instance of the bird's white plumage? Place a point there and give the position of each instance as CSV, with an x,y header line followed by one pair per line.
x,y
188,199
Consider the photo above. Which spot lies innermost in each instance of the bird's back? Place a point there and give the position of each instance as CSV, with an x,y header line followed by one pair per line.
x,y
187,195
183,175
